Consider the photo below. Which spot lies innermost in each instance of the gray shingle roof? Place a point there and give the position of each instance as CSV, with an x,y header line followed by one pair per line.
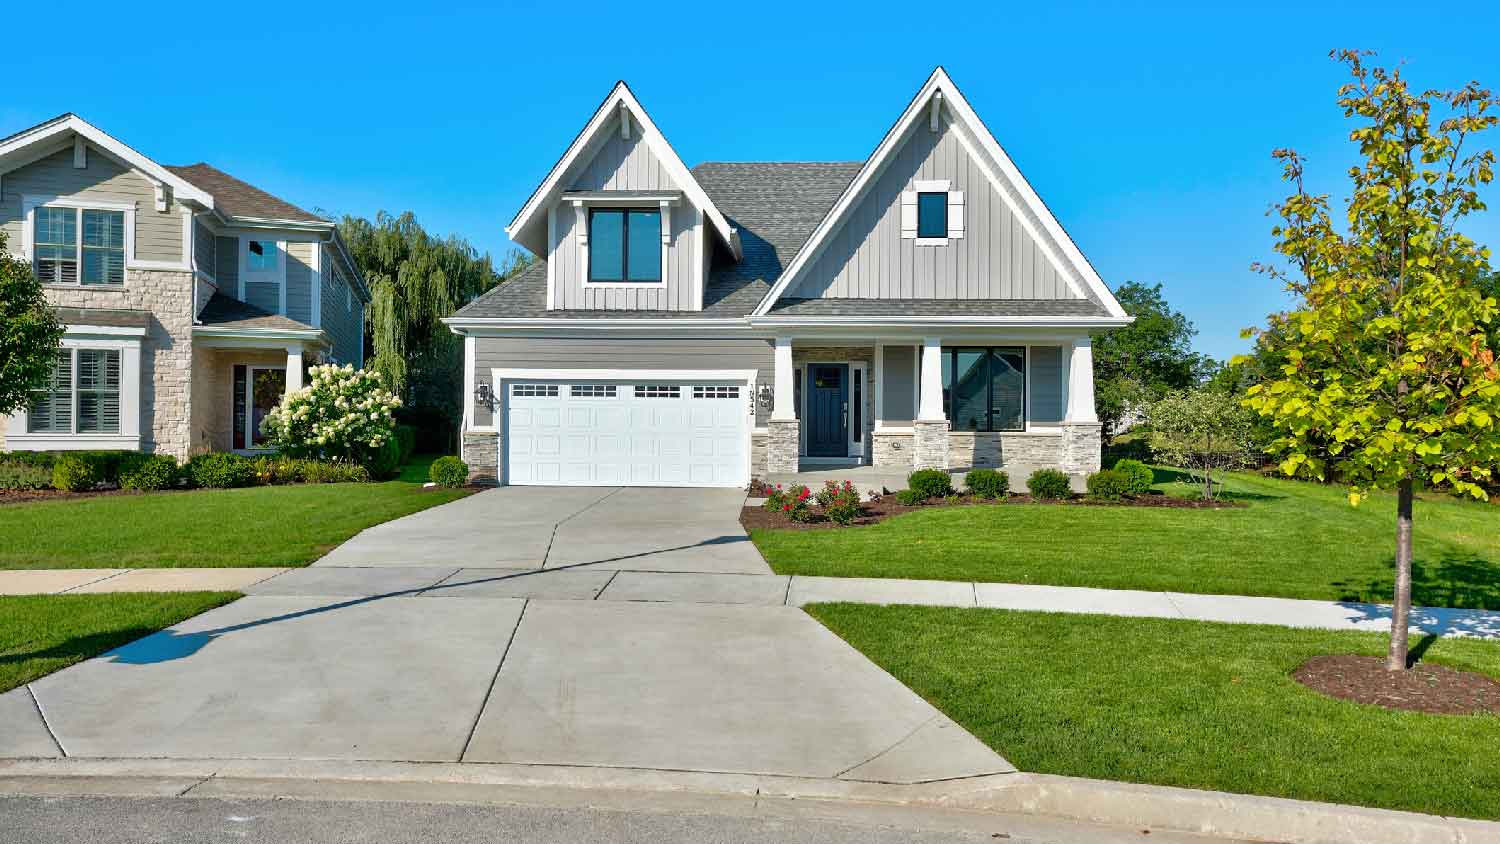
x,y
234,198
224,312
939,307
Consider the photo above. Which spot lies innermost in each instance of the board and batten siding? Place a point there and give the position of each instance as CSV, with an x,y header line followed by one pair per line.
x,y
158,234
299,292
636,353
622,164
867,258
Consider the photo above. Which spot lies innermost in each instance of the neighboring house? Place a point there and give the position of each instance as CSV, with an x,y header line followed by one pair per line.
x,y
738,320
192,300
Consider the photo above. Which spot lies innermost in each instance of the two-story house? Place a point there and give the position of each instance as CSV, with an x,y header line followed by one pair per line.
x,y
922,308
192,301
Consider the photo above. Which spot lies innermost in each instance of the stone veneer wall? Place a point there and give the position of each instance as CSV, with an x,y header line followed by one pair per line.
x,y
930,448
213,385
783,442
166,351
892,449
1081,445
976,450
481,450
759,443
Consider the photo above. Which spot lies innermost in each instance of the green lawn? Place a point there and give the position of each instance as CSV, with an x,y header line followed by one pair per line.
x,y
1183,703
255,526
1293,540
40,634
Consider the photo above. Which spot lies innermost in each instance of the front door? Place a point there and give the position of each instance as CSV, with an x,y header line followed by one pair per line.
x,y
827,410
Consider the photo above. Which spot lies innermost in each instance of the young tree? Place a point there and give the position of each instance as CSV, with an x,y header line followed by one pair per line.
x,y
1137,364
1389,372
29,333
1204,430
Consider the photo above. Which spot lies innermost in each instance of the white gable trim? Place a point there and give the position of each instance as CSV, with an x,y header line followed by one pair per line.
x,y
13,155
622,102
1059,248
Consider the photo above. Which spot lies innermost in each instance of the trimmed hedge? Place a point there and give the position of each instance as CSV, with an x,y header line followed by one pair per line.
x,y
21,475
1138,476
910,497
1109,485
449,471
220,470
75,474
385,462
930,483
149,472
988,483
333,472
1049,483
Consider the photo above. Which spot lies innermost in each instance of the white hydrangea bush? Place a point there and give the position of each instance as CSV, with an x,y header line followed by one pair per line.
x,y
342,414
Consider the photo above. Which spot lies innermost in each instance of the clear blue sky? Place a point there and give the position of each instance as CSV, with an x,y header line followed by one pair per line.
x,y
1148,131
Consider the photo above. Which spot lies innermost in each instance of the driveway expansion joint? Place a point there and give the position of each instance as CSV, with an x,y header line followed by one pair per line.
x,y
110,576
36,702
495,678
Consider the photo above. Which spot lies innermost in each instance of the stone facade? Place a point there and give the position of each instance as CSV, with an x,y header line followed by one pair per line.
x,y
213,385
481,450
166,351
981,450
758,451
930,445
1081,444
892,449
783,442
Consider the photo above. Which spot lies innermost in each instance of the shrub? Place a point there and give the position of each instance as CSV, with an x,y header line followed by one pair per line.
x,y
406,438
834,493
1049,483
931,483
333,472
1138,476
792,502
149,472
75,474
24,475
1109,485
220,470
910,497
342,414
385,462
449,471
277,469
843,511
988,483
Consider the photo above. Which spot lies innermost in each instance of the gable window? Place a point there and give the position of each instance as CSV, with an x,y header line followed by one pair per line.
x,y
81,397
624,245
984,389
932,214
261,256
62,256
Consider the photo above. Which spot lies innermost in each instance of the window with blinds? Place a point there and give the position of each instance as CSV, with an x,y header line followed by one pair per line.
x,y
56,245
79,246
103,247
81,397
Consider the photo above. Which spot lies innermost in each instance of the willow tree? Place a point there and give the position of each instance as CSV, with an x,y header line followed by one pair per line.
x,y
1389,373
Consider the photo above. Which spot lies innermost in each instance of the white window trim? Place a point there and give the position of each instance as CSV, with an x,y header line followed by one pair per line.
x,y
582,209
277,276
250,434
95,337
30,203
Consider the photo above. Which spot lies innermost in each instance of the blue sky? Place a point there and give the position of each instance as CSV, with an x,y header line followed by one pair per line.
x,y
1148,130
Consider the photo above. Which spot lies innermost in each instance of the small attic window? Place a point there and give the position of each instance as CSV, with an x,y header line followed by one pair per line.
x,y
932,214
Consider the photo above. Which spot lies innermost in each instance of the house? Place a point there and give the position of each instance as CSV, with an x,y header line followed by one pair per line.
x,y
704,327
192,300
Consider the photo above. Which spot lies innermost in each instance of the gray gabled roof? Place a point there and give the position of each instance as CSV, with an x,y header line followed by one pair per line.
x,y
234,198
225,312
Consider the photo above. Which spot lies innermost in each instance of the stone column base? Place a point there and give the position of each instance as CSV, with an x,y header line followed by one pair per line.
x,y
889,449
930,449
1081,446
783,444
481,450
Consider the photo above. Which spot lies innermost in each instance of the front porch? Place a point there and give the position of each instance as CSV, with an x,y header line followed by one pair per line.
x,y
237,382
872,412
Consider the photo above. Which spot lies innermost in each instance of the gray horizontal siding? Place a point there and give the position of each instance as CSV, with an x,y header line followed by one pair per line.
x,y
995,259
299,256
227,265
653,353
158,235
341,311
205,249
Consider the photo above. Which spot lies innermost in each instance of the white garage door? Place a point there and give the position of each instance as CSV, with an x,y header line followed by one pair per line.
x,y
627,434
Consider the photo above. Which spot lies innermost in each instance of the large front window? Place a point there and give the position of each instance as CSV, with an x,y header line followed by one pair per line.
x,y
624,245
984,389
62,256
81,397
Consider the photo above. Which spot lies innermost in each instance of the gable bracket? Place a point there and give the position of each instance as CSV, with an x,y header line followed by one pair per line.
x,y
934,117
80,153
624,121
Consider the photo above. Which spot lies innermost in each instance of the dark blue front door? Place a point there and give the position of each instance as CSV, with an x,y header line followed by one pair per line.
x,y
827,401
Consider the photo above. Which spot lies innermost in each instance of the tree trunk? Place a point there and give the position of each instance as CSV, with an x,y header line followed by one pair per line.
x,y
1401,610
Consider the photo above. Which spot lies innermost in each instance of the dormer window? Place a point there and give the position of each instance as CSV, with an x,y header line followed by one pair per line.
x,y
624,245
932,214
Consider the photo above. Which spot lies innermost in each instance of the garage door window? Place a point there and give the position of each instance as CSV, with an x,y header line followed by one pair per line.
x,y
716,392
592,391
533,390
657,391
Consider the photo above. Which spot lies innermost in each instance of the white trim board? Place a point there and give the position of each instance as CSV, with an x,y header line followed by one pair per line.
x,y
620,102
1067,258
14,149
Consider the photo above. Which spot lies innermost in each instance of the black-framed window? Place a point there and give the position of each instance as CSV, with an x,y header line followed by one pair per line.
x,y
624,245
984,389
932,214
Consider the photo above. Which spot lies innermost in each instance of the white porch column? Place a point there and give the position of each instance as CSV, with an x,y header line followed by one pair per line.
x,y
783,409
1081,382
930,403
293,368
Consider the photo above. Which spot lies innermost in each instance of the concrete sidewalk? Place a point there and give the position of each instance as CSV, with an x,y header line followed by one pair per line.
x,y
588,582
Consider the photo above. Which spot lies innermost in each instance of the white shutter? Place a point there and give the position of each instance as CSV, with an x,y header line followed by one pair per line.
x,y
908,214
955,213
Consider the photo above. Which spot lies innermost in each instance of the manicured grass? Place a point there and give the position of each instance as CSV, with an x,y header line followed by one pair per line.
x,y
40,634
1292,540
1183,703
255,526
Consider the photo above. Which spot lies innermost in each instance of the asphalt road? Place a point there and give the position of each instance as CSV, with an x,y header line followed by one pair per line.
x,y
156,820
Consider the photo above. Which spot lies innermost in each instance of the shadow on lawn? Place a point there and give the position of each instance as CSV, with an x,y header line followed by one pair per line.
x,y
1163,476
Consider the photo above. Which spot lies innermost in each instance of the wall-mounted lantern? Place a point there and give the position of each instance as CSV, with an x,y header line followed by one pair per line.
x,y
482,394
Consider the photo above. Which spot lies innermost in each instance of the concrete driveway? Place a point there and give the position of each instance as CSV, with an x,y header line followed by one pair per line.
x,y
557,627
692,530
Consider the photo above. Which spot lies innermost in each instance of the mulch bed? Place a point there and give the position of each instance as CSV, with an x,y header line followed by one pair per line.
x,y
1428,688
872,512
27,496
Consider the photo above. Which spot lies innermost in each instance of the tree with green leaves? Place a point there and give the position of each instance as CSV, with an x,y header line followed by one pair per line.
x,y
1204,430
1389,362
29,333
1138,364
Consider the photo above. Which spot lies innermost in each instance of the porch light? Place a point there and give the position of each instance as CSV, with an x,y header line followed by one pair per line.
x,y
482,394
766,396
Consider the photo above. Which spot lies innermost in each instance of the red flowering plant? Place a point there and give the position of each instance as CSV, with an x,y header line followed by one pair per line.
x,y
797,504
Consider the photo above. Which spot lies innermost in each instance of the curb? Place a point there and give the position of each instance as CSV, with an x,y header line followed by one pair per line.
x,y
1100,802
